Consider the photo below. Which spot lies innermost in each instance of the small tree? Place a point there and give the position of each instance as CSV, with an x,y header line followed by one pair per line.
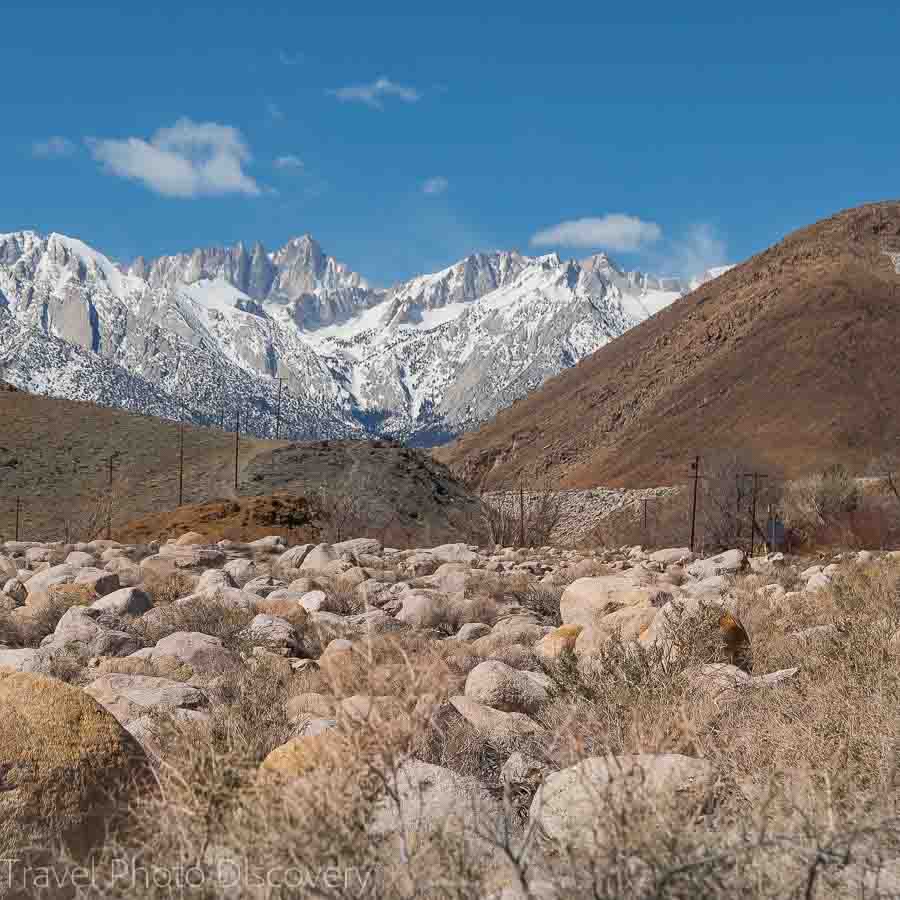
x,y
725,500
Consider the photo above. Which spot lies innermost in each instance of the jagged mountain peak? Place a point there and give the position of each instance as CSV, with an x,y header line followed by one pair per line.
x,y
422,360
601,262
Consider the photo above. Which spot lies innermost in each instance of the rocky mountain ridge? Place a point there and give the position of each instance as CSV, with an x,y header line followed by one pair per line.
x,y
216,329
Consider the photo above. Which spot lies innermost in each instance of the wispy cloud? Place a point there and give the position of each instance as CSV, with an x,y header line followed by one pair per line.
x,y
373,94
274,111
52,148
613,232
289,161
701,248
436,185
290,59
188,159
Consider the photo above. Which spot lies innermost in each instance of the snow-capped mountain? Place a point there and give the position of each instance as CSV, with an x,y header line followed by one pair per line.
x,y
214,329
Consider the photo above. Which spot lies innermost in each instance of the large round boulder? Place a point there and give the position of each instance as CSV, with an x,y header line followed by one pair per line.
x,y
578,805
67,767
588,600
499,686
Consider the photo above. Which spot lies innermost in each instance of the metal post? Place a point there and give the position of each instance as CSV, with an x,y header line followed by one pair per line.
x,y
181,456
695,466
237,443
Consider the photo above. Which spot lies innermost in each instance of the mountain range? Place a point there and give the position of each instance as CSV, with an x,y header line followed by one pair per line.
x,y
294,341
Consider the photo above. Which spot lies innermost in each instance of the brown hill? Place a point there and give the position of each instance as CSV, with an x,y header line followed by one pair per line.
x,y
54,456
793,357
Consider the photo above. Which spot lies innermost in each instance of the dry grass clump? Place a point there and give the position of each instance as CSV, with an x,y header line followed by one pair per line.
x,y
27,626
206,615
166,589
543,600
69,665
343,598
392,665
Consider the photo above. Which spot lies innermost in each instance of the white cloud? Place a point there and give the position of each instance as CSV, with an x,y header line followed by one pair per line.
x,y
436,185
611,232
373,94
189,159
700,249
290,59
289,161
53,148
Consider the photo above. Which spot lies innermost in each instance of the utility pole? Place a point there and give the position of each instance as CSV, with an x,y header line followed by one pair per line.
x,y
695,468
644,502
18,513
278,410
181,455
109,500
521,515
237,443
756,476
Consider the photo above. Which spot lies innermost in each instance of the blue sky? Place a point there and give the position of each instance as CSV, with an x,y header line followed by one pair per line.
x,y
673,135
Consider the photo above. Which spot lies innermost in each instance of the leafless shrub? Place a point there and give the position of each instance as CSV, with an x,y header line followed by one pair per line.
x,y
820,501
521,518
354,506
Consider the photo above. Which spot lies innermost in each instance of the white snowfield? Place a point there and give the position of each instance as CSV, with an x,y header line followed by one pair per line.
x,y
423,360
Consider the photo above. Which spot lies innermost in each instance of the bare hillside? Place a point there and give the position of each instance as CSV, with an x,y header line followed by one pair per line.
x,y
54,456
792,356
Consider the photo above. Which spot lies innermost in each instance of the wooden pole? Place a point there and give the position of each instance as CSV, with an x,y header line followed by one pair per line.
x,y
181,456
521,515
695,466
278,410
237,444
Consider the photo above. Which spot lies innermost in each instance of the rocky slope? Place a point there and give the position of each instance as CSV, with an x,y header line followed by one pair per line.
x,y
448,693
215,330
791,358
